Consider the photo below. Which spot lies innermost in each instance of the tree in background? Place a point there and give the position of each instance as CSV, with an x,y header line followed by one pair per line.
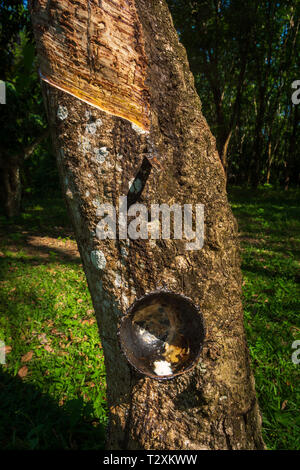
x,y
244,57
23,124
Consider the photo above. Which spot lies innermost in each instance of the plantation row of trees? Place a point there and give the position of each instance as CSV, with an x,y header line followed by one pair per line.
x,y
244,59
24,149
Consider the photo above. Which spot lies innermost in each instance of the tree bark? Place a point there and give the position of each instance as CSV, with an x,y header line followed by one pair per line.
x,y
98,155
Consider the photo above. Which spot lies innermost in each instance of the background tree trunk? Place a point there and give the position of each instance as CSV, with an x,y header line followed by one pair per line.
x,y
10,176
11,190
98,155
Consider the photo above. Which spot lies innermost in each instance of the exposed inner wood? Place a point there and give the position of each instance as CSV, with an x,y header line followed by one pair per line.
x,y
93,52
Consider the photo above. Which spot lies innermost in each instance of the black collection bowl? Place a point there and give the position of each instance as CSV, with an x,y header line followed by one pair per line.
x,y
162,334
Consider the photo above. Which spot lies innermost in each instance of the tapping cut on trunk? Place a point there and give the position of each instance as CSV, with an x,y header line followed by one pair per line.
x,y
95,52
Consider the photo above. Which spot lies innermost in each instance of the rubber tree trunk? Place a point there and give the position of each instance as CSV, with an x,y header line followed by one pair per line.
x,y
99,155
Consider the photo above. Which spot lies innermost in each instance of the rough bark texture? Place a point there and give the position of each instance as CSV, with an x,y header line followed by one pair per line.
x,y
98,54
214,406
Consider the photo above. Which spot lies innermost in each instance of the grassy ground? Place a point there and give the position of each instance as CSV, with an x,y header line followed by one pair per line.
x,y
269,225
52,387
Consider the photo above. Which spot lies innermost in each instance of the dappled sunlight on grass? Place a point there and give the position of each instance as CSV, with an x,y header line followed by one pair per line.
x,y
54,355
53,390
269,224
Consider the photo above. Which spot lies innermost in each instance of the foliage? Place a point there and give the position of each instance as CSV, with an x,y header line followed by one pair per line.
x,y
13,19
23,117
245,57
23,121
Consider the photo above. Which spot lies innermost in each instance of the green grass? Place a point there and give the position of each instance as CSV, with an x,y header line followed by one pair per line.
x,y
46,314
269,226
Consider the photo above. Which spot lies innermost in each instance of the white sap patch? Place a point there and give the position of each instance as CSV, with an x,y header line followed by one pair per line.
x,y
96,203
138,129
91,128
223,398
130,182
69,193
162,368
147,337
124,252
118,281
124,300
101,154
62,113
98,259
133,291
84,144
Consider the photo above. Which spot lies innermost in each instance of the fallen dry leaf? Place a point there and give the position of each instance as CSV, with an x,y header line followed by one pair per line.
x,y
284,403
43,338
91,321
7,349
23,371
55,332
48,348
27,357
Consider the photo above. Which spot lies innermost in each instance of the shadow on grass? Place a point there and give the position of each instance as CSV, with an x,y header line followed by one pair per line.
x,y
47,216
270,272
42,254
30,419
